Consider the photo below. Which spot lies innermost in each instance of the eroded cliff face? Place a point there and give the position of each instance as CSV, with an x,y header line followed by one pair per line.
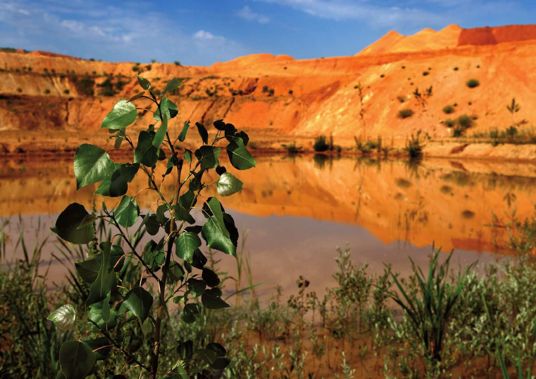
x,y
281,96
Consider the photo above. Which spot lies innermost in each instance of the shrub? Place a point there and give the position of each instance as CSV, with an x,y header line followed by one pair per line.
x,y
401,98
85,85
464,121
66,91
405,113
271,92
290,92
321,143
449,122
414,146
177,63
456,68
47,91
264,89
382,76
426,73
448,109
136,68
472,83
19,90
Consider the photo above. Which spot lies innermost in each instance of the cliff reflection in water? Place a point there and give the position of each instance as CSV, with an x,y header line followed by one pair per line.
x,y
437,201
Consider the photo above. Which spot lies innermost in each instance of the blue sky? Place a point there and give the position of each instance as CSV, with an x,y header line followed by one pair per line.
x,y
201,32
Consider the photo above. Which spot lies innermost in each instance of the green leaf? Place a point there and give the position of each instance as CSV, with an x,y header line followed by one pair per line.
x,y
106,280
228,184
202,132
208,156
139,302
76,359
206,355
99,345
137,96
217,348
187,243
119,137
91,165
88,270
210,277
68,225
217,237
244,136
185,128
122,115
160,134
172,84
219,124
96,314
213,302
168,108
189,313
196,287
220,363
144,83
127,212
89,219
175,273
129,171
239,156
145,152
187,155
63,317
152,224
186,350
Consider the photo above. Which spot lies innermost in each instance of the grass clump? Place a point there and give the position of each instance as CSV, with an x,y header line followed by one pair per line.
x,y
321,143
405,113
472,83
414,146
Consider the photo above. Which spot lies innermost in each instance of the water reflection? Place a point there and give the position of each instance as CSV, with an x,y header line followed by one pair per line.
x,y
299,208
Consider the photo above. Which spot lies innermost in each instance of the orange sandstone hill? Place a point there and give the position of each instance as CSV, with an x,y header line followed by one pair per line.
x,y
279,96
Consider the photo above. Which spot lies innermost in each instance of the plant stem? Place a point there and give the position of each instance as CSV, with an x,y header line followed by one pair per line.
x,y
165,269
132,247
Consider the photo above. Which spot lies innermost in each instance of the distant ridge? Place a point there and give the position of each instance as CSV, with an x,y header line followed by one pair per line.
x,y
449,37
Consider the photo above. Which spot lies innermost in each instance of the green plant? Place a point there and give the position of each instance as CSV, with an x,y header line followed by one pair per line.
x,y
321,143
448,109
117,279
47,91
414,146
513,108
405,113
449,122
177,63
464,121
456,69
430,308
292,148
401,98
425,73
472,83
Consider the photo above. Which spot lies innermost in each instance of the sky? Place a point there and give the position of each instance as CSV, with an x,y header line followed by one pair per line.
x,y
202,32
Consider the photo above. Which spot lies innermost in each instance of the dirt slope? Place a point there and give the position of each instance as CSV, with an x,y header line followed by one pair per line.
x,y
281,96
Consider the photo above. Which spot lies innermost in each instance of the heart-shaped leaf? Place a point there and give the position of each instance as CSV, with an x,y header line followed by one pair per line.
x,y
91,165
122,115
68,225
139,302
76,359
228,184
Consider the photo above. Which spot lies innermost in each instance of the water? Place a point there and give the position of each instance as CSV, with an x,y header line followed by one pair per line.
x,y
297,210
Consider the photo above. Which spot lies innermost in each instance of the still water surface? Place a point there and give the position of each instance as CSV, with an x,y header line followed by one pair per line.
x,y
297,210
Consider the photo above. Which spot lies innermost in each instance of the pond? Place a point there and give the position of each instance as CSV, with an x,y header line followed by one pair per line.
x,y
296,210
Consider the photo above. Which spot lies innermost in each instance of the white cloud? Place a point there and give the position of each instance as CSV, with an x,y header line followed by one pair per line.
x,y
247,14
91,29
362,10
206,36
